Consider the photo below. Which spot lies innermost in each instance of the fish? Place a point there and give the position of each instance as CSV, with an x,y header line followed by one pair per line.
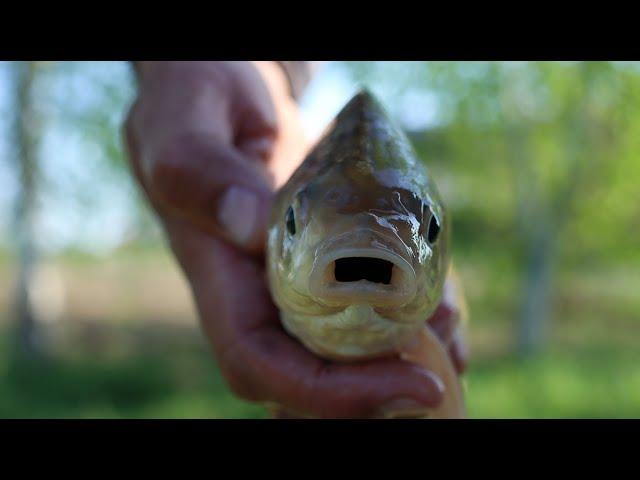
x,y
358,249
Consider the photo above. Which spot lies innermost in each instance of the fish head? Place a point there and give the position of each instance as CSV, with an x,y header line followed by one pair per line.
x,y
357,251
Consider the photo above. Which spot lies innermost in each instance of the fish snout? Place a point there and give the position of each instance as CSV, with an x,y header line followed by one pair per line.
x,y
362,268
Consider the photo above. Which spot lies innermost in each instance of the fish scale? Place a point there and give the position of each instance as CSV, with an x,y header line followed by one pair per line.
x,y
329,211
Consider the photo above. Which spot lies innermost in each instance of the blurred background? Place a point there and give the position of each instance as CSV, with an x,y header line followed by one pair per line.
x,y
537,162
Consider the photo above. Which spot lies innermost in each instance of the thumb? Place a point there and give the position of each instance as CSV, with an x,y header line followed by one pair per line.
x,y
214,186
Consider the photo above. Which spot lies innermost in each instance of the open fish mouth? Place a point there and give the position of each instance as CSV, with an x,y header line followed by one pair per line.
x,y
376,275
371,269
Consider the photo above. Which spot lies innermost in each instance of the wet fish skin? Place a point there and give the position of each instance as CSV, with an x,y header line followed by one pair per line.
x,y
362,192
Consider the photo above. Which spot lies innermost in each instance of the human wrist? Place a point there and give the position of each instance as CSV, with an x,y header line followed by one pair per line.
x,y
298,75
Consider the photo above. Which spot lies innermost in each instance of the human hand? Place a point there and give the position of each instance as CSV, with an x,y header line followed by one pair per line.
x,y
209,142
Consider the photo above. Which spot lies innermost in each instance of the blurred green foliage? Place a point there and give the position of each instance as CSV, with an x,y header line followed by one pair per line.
x,y
523,146
131,365
187,385
527,154
538,163
143,383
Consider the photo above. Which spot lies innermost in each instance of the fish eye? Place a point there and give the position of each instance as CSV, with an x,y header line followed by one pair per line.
x,y
434,229
290,221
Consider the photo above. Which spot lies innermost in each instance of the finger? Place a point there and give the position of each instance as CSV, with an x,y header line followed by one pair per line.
x,y
447,316
191,145
459,353
212,185
292,144
262,363
254,116
267,365
444,322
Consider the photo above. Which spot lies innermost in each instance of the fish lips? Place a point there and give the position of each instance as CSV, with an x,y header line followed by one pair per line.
x,y
400,284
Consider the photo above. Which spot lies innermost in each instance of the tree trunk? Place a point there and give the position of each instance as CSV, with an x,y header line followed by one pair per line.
x,y
26,133
536,296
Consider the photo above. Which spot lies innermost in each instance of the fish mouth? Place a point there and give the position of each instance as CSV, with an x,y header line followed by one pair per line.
x,y
374,275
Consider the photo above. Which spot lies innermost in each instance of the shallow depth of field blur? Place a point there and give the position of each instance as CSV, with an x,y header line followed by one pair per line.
x,y
538,163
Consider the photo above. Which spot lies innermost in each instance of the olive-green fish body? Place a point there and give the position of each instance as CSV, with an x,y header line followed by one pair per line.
x,y
357,247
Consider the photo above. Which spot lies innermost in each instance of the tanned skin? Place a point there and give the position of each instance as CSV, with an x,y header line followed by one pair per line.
x,y
209,143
